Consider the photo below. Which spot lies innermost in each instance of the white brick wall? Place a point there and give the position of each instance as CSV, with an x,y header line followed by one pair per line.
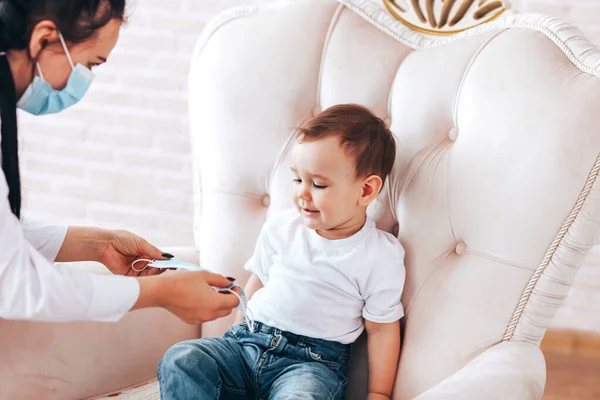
x,y
121,157
131,131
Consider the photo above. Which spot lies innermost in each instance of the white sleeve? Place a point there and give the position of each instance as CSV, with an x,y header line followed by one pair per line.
x,y
31,288
260,262
384,291
45,238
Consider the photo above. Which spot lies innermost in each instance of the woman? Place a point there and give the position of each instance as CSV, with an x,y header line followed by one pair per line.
x,y
47,51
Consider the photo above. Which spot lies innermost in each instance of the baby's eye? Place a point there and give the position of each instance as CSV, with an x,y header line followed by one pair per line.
x,y
297,180
319,186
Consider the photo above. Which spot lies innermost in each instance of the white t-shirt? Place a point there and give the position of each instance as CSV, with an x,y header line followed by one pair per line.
x,y
32,288
324,288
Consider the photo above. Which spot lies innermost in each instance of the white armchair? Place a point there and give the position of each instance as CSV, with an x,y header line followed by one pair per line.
x,y
494,194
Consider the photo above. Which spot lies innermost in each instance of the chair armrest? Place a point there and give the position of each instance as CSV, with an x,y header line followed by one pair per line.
x,y
509,370
81,360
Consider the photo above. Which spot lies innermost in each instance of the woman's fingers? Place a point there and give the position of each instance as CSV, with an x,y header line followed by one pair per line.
x,y
224,312
217,280
221,299
189,295
152,271
153,252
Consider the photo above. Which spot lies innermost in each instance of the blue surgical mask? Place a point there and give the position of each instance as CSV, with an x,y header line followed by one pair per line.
x,y
165,264
41,99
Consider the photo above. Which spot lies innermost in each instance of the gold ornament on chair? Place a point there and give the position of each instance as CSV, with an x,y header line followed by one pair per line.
x,y
445,17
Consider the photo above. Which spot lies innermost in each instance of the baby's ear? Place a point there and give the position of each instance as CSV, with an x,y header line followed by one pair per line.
x,y
371,188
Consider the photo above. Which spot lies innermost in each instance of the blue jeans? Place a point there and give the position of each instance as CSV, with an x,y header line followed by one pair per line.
x,y
267,364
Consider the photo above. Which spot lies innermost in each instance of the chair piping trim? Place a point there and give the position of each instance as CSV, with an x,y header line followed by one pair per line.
x,y
592,177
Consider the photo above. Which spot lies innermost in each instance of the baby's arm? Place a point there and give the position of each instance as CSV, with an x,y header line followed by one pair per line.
x,y
384,352
252,286
382,313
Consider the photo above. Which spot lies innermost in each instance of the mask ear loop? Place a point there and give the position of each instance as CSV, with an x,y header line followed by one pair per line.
x,y
64,45
247,312
39,69
249,320
148,262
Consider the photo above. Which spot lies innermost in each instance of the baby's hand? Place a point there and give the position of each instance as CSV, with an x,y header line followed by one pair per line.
x,y
377,396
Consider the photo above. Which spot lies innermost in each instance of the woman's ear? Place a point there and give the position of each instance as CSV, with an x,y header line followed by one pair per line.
x,y
371,187
43,33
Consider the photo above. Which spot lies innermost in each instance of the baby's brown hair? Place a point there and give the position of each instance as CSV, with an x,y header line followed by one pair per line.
x,y
364,136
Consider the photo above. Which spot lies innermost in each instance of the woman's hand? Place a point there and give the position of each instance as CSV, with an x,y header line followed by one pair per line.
x,y
123,248
188,295
116,249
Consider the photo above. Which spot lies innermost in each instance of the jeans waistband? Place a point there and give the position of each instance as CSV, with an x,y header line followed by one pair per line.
x,y
299,340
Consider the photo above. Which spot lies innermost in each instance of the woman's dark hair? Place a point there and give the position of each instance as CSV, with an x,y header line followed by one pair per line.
x,y
77,20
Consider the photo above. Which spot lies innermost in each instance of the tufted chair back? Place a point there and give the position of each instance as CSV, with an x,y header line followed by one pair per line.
x,y
494,194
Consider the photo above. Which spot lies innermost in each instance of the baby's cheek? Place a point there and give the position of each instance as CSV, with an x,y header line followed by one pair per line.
x,y
320,199
327,204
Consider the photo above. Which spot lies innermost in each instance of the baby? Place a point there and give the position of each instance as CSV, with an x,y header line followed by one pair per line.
x,y
322,273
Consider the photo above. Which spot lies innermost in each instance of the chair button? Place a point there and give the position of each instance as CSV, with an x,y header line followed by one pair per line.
x,y
453,134
460,249
266,200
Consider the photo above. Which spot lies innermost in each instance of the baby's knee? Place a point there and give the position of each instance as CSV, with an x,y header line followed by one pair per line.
x,y
319,379
311,381
188,355
187,368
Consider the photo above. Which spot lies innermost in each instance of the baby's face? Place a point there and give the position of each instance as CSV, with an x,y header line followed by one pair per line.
x,y
325,189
